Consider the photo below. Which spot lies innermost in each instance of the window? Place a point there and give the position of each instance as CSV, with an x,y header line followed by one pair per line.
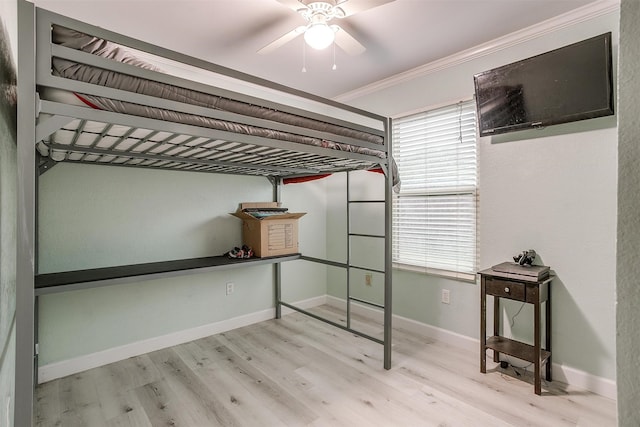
x,y
434,214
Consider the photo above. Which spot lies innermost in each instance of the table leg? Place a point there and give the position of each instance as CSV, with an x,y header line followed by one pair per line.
x,y
496,325
483,327
537,347
548,334
36,338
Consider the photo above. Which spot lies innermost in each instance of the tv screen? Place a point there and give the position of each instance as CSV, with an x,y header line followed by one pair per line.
x,y
571,83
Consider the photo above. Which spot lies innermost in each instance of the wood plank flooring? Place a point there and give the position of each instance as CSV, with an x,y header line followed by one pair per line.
x,y
298,371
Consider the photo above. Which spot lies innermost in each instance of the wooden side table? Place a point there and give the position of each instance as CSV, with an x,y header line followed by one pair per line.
x,y
532,290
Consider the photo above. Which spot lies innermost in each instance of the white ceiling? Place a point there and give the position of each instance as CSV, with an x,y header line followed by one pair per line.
x,y
399,36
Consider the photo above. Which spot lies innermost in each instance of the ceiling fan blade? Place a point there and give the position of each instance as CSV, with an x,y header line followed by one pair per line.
x,y
292,4
281,41
349,6
354,6
348,43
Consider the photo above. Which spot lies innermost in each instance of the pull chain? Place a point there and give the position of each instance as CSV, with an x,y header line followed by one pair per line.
x,y
334,57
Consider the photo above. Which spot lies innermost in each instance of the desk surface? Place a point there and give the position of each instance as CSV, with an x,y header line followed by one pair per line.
x,y
96,277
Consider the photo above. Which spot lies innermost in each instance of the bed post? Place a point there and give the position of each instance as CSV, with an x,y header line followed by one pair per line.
x,y
388,261
277,267
348,263
25,265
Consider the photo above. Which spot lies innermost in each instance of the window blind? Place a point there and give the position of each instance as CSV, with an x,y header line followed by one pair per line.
x,y
434,214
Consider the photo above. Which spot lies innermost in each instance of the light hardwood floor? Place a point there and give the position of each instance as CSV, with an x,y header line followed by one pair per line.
x,y
298,371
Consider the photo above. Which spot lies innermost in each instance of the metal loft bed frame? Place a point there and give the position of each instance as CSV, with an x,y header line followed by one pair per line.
x,y
78,134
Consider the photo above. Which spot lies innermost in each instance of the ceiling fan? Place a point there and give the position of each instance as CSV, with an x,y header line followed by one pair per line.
x,y
319,33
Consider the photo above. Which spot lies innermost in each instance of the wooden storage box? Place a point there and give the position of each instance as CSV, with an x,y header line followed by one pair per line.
x,y
271,235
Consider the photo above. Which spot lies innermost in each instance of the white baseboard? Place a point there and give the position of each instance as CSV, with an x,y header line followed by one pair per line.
x,y
89,361
565,374
574,377
439,334
305,304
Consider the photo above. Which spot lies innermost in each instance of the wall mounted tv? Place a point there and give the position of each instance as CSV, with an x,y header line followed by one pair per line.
x,y
571,83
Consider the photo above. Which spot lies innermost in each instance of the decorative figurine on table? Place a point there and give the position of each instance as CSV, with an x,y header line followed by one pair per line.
x,y
525,258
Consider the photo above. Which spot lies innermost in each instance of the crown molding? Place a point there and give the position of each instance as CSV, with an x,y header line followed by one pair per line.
x,y
582,14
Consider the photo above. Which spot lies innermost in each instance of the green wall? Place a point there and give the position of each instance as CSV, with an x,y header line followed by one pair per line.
x,y
8,201
8,207
628,315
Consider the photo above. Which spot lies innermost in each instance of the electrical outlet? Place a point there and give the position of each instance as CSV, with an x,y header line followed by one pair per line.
x,y
446,297
367,279
230,288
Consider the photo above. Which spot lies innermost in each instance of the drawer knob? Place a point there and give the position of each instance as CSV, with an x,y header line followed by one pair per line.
x,y
506,289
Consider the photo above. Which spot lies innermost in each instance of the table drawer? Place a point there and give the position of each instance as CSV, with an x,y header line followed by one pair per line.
x,y
505,289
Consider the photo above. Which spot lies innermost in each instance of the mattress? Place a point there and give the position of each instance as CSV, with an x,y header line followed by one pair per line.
x,y
89,74
113,79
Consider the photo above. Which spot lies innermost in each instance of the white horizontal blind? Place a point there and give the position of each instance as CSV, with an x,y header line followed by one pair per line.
x,y
434,215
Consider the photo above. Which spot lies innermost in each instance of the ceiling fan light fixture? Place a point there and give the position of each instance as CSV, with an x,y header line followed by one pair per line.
x,y
319,36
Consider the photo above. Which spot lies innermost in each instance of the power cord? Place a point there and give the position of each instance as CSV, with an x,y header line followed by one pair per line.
x,y
513,318
512,322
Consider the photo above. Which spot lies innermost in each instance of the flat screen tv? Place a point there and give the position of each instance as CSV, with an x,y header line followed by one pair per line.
x,y
571,83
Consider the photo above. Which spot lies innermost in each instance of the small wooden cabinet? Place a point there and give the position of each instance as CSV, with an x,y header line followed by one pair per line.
x,y
528,289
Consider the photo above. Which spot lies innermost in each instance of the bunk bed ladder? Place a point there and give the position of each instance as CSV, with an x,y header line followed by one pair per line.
x,y
348,265
368,271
